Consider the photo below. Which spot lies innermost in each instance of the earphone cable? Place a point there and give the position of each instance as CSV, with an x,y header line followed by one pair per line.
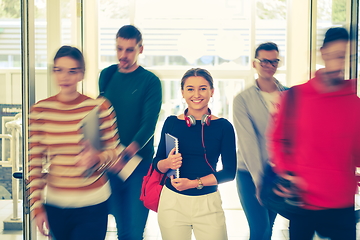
x,y
203,144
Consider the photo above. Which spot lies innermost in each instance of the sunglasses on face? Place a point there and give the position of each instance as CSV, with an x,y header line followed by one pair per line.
x,y
267,62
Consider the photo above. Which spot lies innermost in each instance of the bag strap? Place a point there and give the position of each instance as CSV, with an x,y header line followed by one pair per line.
x,y
109,72
163,179
152,169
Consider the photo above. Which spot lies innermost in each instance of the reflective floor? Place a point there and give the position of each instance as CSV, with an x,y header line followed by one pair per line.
x,y
235,219
236,224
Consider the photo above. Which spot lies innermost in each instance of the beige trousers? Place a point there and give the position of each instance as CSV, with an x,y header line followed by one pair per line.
x,y
179,214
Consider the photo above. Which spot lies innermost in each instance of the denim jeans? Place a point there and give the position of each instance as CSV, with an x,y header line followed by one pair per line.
x,y
260,219
88,223
125,205
335,224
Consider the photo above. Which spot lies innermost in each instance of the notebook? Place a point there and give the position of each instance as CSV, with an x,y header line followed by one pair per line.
x,y
90,126
172,142
129,168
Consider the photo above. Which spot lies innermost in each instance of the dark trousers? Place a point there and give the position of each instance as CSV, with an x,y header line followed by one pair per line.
x,y
78,223
336,224
260,219
125,205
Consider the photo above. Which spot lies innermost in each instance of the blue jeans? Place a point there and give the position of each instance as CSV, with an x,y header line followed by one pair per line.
x,y
78,223
260,219
125,205
336,224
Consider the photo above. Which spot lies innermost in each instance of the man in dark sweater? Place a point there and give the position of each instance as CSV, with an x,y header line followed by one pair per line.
x,y
136,97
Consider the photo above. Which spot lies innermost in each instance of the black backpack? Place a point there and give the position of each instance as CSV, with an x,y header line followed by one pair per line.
x,y
109,72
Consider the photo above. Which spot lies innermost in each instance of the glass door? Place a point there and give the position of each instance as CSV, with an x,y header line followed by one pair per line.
x,y
46,26
10,118
335,13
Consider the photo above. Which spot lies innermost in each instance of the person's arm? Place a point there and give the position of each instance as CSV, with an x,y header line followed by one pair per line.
x,y
182,184
150,113
110,157
162,163
161,150
109,134
42,223
95,160
173,161
228,156
247,142
37,153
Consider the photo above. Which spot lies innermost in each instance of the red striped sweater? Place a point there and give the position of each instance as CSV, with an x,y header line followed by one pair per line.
x,y
55,138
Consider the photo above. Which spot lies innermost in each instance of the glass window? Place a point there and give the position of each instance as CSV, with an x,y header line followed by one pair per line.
x,y
10,77
178,36
329,14
4,61
112,15
10,112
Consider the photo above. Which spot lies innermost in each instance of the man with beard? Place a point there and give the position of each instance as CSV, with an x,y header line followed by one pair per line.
x,y
136,97
324,146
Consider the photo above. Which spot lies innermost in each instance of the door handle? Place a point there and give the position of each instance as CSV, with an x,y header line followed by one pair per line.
x,y
18,175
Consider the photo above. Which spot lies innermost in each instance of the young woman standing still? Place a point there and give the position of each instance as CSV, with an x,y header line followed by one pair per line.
x,y
192,202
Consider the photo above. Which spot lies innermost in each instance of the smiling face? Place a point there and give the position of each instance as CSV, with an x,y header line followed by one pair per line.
x,y
128,51
266,71
67,73
197,93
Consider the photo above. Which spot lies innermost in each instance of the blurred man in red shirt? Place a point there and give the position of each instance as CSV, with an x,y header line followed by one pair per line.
x,y
325,146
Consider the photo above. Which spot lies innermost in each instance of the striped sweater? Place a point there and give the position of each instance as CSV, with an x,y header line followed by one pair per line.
x,y
55,138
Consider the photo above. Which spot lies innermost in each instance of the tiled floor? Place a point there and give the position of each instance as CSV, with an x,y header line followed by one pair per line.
x,y
235,219
236,224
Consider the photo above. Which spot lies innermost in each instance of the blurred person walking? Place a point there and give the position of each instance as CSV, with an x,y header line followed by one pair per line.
x,y
137,97
66,202
253,108
325,147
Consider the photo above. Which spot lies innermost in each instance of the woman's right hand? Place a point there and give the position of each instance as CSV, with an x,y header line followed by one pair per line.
x,y
42,223
174,161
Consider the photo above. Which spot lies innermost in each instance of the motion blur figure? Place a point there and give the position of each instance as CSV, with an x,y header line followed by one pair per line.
x,y
67,203
325,146
136,96
252,110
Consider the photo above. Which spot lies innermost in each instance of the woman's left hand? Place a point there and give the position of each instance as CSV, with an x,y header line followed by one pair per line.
x,y
182,184
88,157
